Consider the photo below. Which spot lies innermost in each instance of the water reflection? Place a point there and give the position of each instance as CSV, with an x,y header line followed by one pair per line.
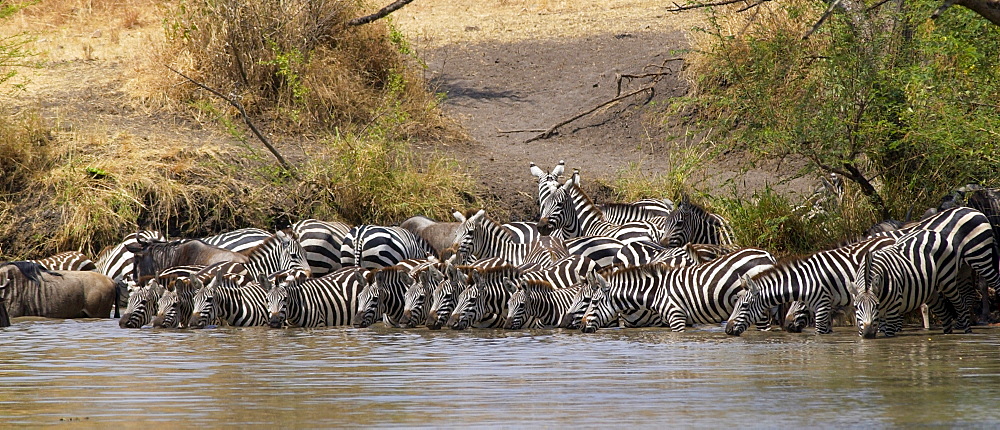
x,y
334,377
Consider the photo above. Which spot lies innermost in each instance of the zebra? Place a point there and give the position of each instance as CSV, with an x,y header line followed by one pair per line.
x,y
322,241
618,213
897,279
142,306
375,247
639,210
537,302
67,261
331,300
236,305
415,299
446,293
819,281
568,212
279,252
971,235
486,296
572,317
238,240
382,297
691,223
699,294
547,181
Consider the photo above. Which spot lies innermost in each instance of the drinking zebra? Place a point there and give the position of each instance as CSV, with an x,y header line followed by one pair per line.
x,y
573,315
415,302
445,295
322,241
375,247
142,306
700,294
382,297
899,278
819,281
537,303
331,300
485,297
226,301
971,236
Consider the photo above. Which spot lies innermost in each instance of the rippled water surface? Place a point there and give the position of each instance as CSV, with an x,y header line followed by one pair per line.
x,y
54,371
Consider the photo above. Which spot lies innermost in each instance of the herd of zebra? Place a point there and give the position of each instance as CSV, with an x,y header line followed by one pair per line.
x,y
581,265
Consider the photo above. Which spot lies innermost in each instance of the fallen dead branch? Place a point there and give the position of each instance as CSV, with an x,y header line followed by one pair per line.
x,y
649,88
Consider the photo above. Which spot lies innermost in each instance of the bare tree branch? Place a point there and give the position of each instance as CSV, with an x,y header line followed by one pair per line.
x,y
246,119
989,9
552,130
392,7
822,19
679,8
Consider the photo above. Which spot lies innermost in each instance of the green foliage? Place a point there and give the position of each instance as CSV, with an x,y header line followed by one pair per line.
x,y
912,103
14,51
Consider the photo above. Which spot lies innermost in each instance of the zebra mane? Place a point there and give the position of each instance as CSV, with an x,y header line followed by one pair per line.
x,y
30,270
780,266
644,269
579,190
539,285
498,270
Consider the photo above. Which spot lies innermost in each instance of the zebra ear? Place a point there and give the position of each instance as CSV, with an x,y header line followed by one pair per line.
x,y
478,216
458,215
535,170
601,282
559,169
511,286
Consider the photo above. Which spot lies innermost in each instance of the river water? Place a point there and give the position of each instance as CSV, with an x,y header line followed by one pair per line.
x,y
90,372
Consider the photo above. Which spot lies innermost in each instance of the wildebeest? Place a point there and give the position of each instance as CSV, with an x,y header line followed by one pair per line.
x,y
152,257
439,235
31,290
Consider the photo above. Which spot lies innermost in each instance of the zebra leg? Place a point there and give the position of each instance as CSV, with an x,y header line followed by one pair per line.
x,y
824,315
925,315
675,317
941,310
961,308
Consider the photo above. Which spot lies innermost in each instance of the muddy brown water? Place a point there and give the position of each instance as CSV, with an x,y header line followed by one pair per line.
x,y
91,371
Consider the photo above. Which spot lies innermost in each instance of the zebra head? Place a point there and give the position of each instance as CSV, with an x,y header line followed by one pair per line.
x,y
467,307
469,238
553,215
204,312
142,304
369,300
573,318
277,304
444,296
748,305
166,314
600,311
516,305
416,296
798,317
544,179
865,293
